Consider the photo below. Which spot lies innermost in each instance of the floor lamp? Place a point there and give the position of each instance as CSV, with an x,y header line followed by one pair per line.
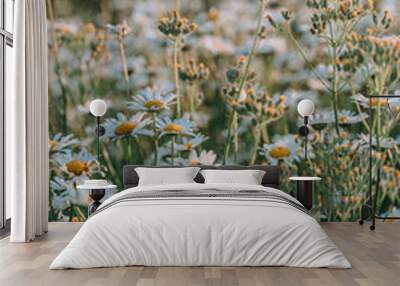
x,y
305,184
98,108
368,210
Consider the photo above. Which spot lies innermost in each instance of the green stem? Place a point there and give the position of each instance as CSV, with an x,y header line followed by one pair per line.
x,y
176,74
110,164
303,54
364,122
232,121
335,108
154,124
257,137
129,149
124,64
235,136
261,9
139,152
57,69
123,60
191,100
228,139
265,134
172,149
335,98
80,214
71,211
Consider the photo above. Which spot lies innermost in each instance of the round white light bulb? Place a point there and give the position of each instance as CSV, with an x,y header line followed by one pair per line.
x,y
98,107
305,107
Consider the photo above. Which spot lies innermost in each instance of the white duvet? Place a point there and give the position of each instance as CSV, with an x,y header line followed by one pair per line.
x,y
200,231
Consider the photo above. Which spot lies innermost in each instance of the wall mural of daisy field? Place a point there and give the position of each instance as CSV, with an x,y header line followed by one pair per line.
x,y
218,82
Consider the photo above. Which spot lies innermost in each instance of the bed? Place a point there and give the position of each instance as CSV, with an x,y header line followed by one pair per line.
x,y
198,224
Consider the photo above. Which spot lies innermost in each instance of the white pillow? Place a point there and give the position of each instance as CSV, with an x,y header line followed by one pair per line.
x,y
166,176
248,177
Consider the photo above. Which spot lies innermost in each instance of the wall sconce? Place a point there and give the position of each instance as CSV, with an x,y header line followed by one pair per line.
x,y
305,108
98,108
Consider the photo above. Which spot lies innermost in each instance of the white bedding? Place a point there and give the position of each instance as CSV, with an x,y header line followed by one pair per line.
x,y
200,231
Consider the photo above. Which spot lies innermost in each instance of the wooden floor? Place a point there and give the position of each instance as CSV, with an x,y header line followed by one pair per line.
x,y
375,257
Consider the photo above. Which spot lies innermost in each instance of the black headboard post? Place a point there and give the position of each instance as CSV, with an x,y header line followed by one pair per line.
x,y
270,179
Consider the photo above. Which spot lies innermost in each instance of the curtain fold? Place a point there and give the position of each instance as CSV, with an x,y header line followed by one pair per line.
x,y
27,173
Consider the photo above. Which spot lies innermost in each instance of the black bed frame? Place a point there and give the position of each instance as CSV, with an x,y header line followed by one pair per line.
x,y
270,179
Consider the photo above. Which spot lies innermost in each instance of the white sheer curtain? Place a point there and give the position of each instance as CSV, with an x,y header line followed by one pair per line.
x,y
27,124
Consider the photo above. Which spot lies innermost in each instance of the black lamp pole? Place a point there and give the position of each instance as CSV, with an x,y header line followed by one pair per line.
x,y
97,108
306,137
305,108
304,132
100,131
97,194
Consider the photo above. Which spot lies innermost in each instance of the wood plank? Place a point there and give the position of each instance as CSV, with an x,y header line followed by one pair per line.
x,y
375,257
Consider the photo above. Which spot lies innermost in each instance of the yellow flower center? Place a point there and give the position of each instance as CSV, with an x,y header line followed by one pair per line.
x,y
90,28
154,104
213,15
270,110
342,118
377,101
77,167
173,128
194,162
193,26
387,169
188,146
354,198
124,128
52,143
63,29
279,152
